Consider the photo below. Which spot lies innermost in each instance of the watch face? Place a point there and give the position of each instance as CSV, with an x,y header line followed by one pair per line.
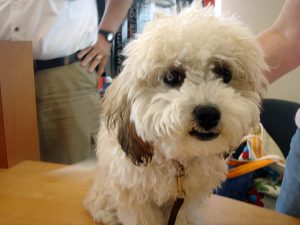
x,y
110,37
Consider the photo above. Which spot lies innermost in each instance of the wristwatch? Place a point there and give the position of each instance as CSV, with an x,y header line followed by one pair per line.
x,y
108,35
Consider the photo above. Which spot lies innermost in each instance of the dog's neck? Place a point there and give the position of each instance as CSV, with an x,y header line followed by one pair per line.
x,y
180,167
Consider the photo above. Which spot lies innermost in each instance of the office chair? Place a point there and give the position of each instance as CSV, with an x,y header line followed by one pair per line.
x,y
278,118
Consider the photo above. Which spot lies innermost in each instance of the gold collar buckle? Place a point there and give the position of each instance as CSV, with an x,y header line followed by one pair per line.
x,y
180,175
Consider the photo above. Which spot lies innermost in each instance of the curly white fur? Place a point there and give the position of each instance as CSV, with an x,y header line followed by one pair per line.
x,y
146,123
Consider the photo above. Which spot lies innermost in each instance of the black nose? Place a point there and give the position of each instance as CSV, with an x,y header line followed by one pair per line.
x,y
207,117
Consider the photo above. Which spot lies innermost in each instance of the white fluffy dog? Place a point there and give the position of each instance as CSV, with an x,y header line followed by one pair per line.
x,y
189,91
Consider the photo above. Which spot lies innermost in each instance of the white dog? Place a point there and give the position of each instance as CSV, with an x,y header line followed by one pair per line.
x,y
189,91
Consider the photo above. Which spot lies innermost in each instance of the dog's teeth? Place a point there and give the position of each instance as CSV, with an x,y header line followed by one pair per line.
x,y
206,131
200,130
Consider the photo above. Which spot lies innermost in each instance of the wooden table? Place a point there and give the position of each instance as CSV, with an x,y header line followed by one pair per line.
x,y
29,195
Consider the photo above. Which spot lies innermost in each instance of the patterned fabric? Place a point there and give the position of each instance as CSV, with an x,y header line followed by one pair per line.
x,y
255,171
265,187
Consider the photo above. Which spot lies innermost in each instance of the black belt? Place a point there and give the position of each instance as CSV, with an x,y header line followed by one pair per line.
x,y
51,63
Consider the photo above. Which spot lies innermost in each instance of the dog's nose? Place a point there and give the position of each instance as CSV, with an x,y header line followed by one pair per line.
x,y
207,117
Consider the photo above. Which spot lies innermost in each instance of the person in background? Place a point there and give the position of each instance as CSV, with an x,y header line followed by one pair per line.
x,y
68,44
281,43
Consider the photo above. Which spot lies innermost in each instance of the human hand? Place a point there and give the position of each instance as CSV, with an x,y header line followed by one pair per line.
x,y
96,55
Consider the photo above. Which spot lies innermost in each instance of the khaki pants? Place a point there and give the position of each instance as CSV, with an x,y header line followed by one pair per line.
x,y
68,105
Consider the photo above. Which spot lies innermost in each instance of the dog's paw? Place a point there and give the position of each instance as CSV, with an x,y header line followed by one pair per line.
x,y
105,217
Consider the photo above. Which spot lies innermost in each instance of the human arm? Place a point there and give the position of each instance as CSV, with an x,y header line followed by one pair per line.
x,y
281,41
97,55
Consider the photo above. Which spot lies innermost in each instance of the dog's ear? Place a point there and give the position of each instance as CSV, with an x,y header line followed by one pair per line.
x,y
116,115
139,152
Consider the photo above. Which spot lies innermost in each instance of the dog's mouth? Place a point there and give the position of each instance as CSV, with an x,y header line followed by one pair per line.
x,y
204,135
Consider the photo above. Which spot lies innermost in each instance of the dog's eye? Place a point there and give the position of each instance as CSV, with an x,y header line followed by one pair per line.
x,y
175,77
223,71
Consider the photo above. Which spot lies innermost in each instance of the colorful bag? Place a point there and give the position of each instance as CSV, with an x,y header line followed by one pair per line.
x,y
255,170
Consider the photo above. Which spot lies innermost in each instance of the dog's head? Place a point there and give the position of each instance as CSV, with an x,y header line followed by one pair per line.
x,y
191,86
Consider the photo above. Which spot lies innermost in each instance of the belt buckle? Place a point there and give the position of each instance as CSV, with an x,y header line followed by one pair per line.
x,y
66,60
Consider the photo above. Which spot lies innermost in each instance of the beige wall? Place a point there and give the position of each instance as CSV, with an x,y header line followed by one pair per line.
x,y
259,14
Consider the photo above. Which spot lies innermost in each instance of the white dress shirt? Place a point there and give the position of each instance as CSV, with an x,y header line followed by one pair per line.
x,y
56,28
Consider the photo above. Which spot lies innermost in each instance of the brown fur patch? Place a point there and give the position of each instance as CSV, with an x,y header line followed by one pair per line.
x,y
116,113
140,152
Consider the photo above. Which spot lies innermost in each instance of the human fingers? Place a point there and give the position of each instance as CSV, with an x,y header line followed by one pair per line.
x,y
96,62
83,52
88,57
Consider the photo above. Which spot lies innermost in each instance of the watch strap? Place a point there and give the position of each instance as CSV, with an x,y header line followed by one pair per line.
x,y
108,35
